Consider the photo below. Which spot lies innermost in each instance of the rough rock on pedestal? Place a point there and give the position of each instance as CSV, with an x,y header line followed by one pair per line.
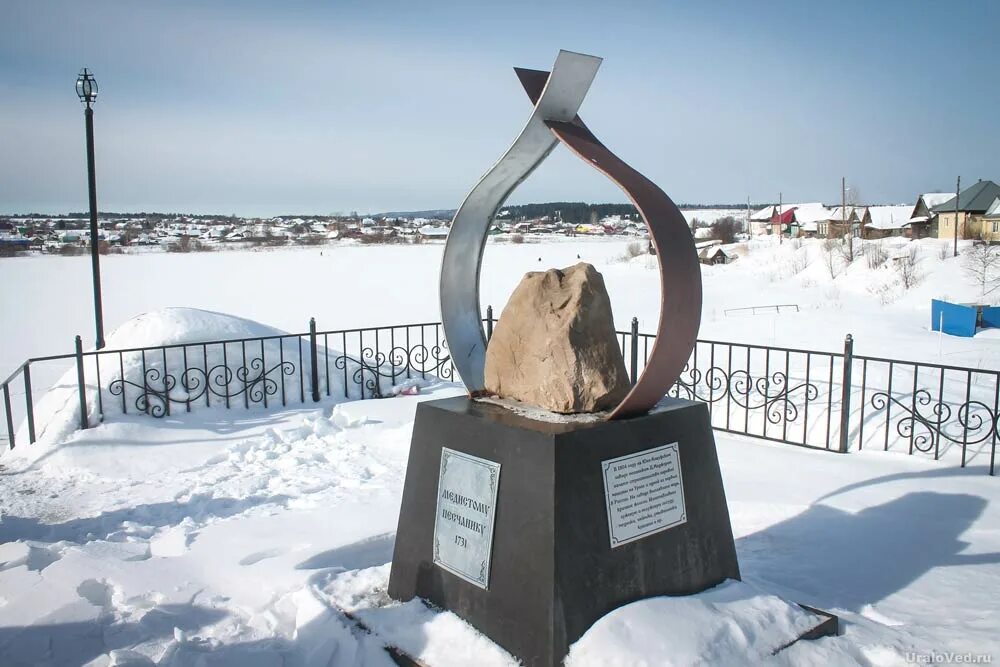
x,y
555,347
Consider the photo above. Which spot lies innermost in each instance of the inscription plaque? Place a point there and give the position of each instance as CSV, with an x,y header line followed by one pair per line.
x,y
463,524
644,493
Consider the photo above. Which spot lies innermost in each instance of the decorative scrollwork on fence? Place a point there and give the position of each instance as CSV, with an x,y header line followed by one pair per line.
x,y
715,381
771,393
925,421
156,391
400,363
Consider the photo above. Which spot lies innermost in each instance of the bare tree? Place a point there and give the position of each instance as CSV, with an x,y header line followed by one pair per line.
x,y
831,256
853,195
848,249
875,254
908,267
798,262
724,229
981,264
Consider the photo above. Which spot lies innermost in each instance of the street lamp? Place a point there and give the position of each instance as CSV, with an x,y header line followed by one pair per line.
x,y
86,90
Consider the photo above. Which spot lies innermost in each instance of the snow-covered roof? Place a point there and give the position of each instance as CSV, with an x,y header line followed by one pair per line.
x,y
845,212
811,212
711,251
889,217
433,231
765,214
932,199
994,209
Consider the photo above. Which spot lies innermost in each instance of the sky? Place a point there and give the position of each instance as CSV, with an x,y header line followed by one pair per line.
x,y
262,108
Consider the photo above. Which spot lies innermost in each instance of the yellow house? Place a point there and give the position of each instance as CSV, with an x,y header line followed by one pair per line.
x,y
970,216
991,219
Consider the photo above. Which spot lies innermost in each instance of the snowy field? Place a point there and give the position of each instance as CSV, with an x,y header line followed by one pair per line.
x,y
49,299
235,537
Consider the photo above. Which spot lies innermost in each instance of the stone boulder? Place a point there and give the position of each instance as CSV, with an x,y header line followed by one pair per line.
x,y
555,347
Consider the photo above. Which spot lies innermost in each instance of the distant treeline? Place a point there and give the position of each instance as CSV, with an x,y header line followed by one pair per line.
x,y
578,212
111,214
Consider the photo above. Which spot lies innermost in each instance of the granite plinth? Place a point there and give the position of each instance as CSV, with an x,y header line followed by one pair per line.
x,y
553,570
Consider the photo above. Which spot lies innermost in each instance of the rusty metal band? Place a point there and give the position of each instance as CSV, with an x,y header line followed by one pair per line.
x,y
557,97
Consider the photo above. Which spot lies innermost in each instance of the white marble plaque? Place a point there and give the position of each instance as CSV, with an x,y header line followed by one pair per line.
x,y
644,493
466,506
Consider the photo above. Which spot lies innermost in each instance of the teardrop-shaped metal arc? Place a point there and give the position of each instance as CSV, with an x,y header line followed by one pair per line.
x,y
680,275
559,99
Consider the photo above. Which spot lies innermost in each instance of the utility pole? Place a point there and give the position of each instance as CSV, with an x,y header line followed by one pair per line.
x,y
747,230
781,238
843,215
843,204
958,189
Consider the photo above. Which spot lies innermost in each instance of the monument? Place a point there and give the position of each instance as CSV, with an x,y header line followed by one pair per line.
x,y
529,525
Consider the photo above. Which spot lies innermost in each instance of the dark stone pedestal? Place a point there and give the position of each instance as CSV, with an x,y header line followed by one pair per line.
x,y
554,572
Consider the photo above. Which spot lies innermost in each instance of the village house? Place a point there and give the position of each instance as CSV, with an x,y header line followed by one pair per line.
x,y
840,220
789,219
760,222
923,222
882,221
806,219
991,219
431,232
712,252
973,202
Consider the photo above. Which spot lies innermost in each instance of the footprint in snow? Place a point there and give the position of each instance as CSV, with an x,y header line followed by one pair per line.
x,y
97,593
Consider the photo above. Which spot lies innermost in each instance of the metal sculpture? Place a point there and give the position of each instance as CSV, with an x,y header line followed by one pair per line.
x,y
557,97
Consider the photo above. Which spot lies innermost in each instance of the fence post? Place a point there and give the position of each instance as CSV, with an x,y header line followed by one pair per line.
x,y
489,323
845,394
634,363
81,386
10,416
29,404
313,360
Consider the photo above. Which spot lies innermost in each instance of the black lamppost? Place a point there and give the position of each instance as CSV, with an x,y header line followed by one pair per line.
x,y
86,89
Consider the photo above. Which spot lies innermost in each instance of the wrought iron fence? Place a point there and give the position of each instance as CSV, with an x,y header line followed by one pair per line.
x,y
931,410
839,401
834,401
264,372
782,394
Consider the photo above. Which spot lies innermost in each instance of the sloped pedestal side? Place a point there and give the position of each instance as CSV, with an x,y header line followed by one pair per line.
x,y
552,571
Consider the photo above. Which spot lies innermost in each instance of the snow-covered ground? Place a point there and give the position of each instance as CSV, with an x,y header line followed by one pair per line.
x,y
48,299
356,286
231,537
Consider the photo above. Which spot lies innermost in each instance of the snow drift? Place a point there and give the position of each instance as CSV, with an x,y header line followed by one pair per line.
x,y
171,360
